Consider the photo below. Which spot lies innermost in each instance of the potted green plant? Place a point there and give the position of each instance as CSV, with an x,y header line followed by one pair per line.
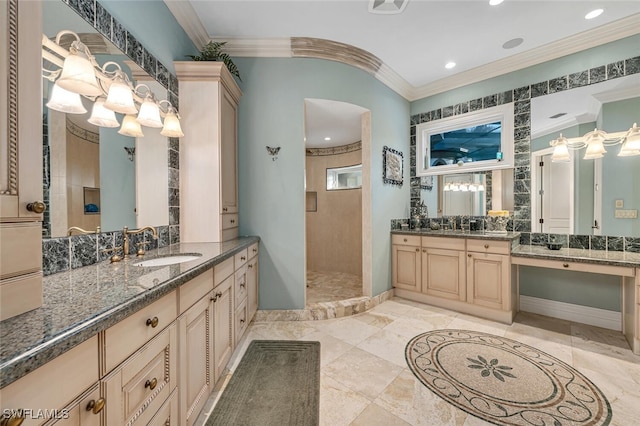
x,y
212,51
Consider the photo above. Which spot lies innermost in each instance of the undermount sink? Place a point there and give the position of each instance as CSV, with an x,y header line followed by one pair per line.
x,y
167,260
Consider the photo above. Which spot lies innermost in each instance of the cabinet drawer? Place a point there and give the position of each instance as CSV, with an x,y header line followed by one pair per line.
x,y
241,258
167,415
443,243
229,221
241,285
489,246
21,248
253,250
79,412
407,240
195,290
229,234
241,320
124,338
137,389
574,266
222,270
55,384
20,294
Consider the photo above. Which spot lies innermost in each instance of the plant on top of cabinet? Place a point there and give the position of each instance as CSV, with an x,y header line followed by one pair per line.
x,y
212,51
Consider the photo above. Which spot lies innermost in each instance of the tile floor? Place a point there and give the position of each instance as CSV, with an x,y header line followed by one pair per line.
x,y
329,286
365,379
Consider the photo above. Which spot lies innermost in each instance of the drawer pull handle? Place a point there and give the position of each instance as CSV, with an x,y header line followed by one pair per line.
x,y
12,421
151,384
566,265
153,322
405,240
486,246
96,406
36,207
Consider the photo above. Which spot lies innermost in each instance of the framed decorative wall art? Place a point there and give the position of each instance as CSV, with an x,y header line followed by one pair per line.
x,y
392,166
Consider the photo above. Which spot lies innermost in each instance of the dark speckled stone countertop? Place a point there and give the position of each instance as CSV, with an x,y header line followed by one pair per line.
x,y
509,236
600,257
80,303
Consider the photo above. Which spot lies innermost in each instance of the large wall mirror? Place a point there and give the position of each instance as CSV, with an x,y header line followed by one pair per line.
x,y
95,177
585,196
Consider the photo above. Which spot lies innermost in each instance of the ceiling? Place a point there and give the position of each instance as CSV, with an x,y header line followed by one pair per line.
x,y
415,45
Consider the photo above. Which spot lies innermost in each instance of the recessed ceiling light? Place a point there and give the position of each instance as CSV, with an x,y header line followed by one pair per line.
x,y
495,2
514,42
450,65
327,138
593,14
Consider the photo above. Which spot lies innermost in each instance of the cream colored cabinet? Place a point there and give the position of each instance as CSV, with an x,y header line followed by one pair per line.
x,y
54,386
138,388
443,267
223,316
252,282
406,262
85,411
208,152
488,274
21,154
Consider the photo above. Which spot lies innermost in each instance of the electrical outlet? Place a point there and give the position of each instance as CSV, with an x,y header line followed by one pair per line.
x,y
626,214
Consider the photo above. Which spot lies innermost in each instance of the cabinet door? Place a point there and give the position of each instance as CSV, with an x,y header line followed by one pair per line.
x,y
223,310
195,336
443,273
488,280
406,267
85,411
229,161
252,288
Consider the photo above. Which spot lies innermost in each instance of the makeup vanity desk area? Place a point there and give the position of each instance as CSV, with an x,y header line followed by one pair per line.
x,y
478,273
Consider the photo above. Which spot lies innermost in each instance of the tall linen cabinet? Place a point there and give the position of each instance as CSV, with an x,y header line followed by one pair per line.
x,y
208,152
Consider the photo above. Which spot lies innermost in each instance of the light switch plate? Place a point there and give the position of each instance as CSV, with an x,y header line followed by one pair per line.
x,y
626,214
619,204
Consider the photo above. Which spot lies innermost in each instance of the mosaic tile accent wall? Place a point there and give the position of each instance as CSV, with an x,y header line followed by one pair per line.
x,y
521,221
64,253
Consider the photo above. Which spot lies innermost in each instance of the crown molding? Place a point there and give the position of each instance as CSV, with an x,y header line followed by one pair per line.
x,y
394,81
257,47
613,31
189,21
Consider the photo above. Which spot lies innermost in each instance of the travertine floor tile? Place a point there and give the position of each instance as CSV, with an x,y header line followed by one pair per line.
x,y
339,405
374,415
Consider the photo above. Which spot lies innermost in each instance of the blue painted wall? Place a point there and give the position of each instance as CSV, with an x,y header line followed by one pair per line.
x,y
272,199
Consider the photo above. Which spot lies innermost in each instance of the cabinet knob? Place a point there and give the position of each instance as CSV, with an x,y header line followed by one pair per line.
x,y
242,285
255,250
566,265
417,249
151,384
13,420
216,296
469,255
96,406
243,258
486,246
153,322
36,207
233,221
242,321
250,265
405,240
424,250
224,209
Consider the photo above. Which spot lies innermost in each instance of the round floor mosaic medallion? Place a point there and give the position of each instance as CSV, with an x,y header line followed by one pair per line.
x,y
503,381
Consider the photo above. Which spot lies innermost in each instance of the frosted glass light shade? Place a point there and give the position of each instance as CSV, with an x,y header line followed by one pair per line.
x,y
120,98
65,101
172,127
560,154
633,138
101,116
149,114
78,75
131,127
595,149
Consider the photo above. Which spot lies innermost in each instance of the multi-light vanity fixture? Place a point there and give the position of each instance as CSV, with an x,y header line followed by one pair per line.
x,y
464,187
107,86
595,142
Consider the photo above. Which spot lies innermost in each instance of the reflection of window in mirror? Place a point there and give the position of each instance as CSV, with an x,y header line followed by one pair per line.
x,y
349,177
479,140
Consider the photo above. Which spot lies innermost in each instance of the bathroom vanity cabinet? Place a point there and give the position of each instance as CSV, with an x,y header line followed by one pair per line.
x,y
21,165
208,152
159,364
471,275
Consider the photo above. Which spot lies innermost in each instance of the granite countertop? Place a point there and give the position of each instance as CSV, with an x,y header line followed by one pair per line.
x,y
80,303
600,257
509,236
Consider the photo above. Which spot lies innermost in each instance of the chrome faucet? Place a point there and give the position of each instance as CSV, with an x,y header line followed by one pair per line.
x,y
125,234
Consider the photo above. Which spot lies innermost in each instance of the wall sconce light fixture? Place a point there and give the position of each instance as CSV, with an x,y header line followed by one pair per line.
x,y
77,73
273,152
595,142
131,151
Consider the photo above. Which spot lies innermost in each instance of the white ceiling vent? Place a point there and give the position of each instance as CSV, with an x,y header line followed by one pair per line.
x,y
387,6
